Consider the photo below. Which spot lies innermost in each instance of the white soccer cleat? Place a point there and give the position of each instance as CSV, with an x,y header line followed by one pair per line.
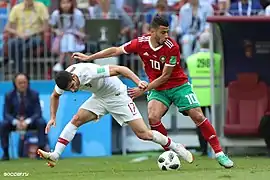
x,y
51,162
184,153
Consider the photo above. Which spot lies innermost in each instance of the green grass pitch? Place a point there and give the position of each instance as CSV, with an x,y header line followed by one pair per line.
x,y
121,168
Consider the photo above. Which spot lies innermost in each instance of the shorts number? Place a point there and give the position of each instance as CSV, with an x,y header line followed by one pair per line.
x,y
192,99
155,64
132,108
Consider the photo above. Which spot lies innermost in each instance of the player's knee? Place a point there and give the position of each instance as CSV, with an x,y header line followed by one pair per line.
x,y
76,120
196,115
153,119
144,135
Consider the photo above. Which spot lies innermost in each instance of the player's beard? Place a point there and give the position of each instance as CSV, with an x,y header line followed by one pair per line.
x,y
158,41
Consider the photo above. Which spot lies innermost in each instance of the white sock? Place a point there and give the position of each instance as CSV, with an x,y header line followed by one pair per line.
x,y
65,137
163,140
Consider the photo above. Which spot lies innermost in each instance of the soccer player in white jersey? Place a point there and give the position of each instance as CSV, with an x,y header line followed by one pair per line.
x,y
109,96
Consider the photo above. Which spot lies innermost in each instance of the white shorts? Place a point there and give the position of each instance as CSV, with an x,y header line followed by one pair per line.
x,y
119,105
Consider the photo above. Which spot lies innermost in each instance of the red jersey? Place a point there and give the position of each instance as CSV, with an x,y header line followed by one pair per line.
x,y
155,59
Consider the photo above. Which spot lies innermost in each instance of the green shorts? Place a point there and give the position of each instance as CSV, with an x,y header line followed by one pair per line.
x,y
182,97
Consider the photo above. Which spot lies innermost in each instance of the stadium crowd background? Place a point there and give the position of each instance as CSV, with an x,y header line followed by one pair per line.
x,y
41,61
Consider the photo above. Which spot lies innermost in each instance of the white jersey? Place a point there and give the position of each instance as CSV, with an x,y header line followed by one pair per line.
x,y
95,79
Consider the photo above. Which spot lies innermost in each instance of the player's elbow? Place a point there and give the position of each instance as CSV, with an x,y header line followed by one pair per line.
x,y
55,95
115,70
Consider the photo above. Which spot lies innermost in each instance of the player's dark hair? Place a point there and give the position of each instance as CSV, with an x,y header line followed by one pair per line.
x,y
62,79
159,21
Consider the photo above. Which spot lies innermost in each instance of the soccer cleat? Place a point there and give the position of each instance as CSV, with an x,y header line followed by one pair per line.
x,y
184,153
51,162
224,161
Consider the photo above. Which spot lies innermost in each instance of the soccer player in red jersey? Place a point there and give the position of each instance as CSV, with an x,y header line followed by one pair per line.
x,y
168,82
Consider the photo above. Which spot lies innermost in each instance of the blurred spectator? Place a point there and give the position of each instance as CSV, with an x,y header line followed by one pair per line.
x,y
91,7
223,6
119,3
210,2
137,6
45,2
153,3
22,112
107,10
192,23
68,24
27,21
245,8
161,9
3,4
266,5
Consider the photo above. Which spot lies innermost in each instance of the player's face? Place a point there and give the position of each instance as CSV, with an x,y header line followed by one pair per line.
x,y
161,34
74,84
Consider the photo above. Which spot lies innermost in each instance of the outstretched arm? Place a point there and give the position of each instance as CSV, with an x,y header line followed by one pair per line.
x,y
129,47
54,104
53,108
114,70
109,52
126,72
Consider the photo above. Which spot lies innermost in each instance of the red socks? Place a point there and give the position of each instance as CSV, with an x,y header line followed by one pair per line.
x,y
160,128
207,131
210,135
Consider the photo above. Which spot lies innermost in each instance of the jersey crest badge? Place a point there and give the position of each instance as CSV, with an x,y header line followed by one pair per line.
x,y
162,59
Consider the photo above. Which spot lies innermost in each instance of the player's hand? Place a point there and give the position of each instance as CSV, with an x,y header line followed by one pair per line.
x,y
19,126
52,122
79,56
143,85
24,125
135,92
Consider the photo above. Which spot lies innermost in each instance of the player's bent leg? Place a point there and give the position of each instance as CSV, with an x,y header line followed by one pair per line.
x,y
156,109
83,116
140,129
209,135
186,101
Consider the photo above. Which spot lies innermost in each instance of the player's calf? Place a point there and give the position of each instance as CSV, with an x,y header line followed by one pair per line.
x,y
209,135
145,135
157,125
206,128
196,115
156,110
140,129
